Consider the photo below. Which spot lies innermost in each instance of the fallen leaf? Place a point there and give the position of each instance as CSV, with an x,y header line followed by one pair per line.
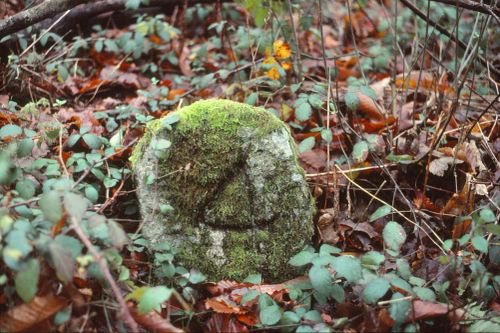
x,y
24,316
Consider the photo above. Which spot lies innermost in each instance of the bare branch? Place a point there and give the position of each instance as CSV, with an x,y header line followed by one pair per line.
x,y
35,14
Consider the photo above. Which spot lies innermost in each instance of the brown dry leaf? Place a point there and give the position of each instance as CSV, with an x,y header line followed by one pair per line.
x,y
425,310
459,202
220,322
154,322
370,107
184,62
24,316
222,304
427,80
422,201
249,319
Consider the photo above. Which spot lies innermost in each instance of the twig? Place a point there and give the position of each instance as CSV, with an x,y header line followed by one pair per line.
x,y
398,212
373,167
103,265
445,32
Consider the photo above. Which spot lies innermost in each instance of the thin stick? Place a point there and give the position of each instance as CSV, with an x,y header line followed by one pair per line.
x,y
103,265
398,212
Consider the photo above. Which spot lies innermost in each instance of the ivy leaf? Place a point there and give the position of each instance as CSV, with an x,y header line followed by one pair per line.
x,y
425,294
380,212
303,112
254,278
326,134
360,152
152,298
26,280
306,144
487,215
394,235
302,258
10,131
132,4
372,260
320,279
351,100
348,267
480,244
375,290
75,205
338,293
50,204
171,119
62,261
92,140
399,309
270,315
26,188
117,236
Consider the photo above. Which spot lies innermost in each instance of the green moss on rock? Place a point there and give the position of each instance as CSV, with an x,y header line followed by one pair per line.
x,y
241,203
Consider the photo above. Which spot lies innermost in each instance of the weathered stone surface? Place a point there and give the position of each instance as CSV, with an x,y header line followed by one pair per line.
x,y
240,200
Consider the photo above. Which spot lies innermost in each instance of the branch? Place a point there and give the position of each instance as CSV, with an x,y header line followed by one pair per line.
x,y
35,14
80,11
477,7
445,32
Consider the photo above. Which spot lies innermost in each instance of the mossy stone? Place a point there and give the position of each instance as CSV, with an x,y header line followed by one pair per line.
x,y
240,200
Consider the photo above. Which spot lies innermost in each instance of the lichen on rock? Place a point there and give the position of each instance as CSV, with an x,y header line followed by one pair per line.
x,y
240,200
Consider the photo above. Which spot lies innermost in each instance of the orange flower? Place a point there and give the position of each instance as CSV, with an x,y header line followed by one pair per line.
x,y
281,49
269,60
286,65
273,73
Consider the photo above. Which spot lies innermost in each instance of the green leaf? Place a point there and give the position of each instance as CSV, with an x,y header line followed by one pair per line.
x,y
302,258
50,204
425,294
117,235
132,4
62,262
152,298
306,144
252,98
360,152
166,208
249,296
63,316
368,91
26,188
254,278
171,119
25,147
394,235
351,100
75,205
399,309
327,135
372,260
10,131
303,112
375,290
480,244
289,317
327,249
320,278
91,193
73,139
270,315
380,212
403,268
348,267
71,244
92,140
196,277
487,215
338,293
26,280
